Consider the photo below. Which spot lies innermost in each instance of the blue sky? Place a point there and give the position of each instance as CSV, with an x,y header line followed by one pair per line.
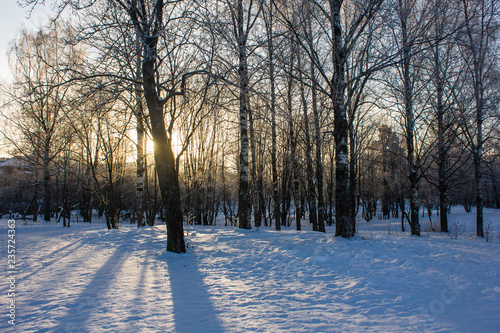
x,y
12,18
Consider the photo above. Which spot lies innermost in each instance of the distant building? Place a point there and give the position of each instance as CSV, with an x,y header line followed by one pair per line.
x,y
16,184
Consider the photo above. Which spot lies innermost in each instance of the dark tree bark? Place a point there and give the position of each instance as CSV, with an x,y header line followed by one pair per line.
x,y
164,157
409,119
344,221
442,151
257,217
318,158
293,136
311,189
46,184
140,160
274,167
481,21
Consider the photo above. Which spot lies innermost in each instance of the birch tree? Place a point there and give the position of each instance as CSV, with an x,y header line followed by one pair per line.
x,y
445,74
405,83
476,40
332,83
269,24
243,23
233,22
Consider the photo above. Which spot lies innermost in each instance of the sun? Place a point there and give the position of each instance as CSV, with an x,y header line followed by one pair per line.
x,y
176,144
149,146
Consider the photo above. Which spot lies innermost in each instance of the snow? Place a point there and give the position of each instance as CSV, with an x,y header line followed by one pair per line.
x,y
88,279
13,162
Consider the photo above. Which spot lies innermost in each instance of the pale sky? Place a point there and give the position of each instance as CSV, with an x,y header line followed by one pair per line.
x,y
12,18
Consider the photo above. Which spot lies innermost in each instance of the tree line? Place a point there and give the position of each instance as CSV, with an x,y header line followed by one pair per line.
x,y
264,111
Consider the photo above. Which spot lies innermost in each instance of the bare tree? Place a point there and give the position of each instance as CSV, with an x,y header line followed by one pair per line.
x,y
332,74
243,22
101,130
41,98
481,25
405,84
269,23
167,61
445,77
232,23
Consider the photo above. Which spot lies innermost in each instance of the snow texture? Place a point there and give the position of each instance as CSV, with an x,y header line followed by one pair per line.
x,y
88,279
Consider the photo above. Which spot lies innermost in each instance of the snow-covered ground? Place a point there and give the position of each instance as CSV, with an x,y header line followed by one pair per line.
x,y
88,279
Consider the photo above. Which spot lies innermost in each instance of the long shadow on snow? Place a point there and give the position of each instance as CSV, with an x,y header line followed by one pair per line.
x,y
54,257
91,299
193,309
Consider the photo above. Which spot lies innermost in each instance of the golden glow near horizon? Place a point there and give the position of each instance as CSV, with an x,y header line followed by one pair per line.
x,y
176,145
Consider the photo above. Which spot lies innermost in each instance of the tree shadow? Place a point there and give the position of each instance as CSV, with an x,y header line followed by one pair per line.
x,y
193,309
81,309
54,257
140,290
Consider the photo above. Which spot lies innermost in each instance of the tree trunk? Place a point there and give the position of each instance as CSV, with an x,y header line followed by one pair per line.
x,y
285,193
168,182
410,128
35,203
140,159
344,221
478,152
296,176
260,181
163,153
311,197
480,22
66,204
318,161
352,171
276,196
253,172
86,203
442,153
46,185
479,188
494,183
293,138
243,193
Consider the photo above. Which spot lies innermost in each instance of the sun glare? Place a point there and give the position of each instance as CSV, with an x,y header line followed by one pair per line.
x,y
176,145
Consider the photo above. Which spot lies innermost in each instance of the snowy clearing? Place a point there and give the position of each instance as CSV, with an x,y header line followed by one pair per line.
x,y
88,279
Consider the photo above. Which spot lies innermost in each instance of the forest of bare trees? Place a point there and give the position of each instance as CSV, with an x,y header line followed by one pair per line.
x,y
273,113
